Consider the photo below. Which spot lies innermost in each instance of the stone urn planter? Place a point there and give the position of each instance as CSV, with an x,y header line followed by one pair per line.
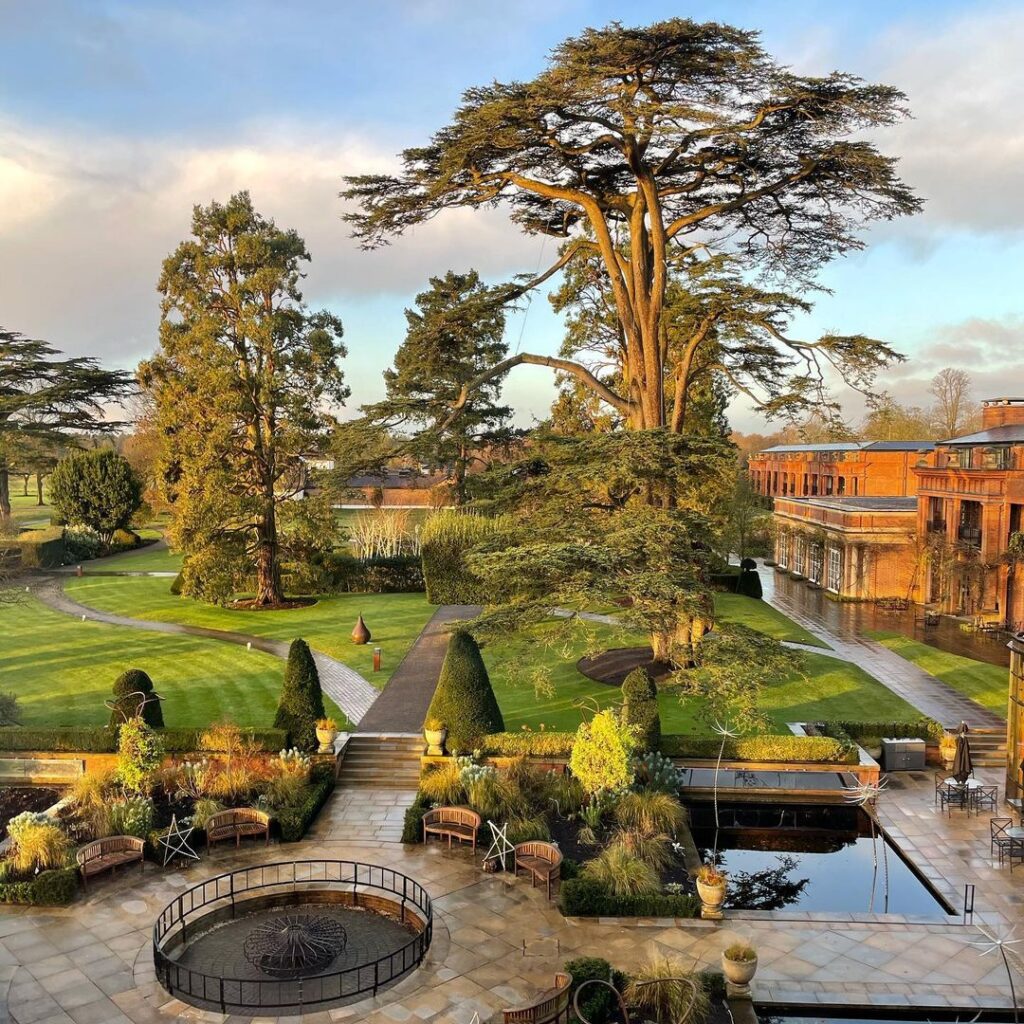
x,y
326,734
435,733
711,885
739,965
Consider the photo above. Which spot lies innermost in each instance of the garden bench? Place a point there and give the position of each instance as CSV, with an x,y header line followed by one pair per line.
x,y
235,823
110,852
454,822
550,1007
542,860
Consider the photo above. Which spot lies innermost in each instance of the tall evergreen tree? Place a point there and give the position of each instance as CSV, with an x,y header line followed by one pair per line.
x,y
454,334
302,701
241,384
47,399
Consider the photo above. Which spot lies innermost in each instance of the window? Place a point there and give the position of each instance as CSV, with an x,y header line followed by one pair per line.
x,y
799,556
966,458
855,486
969,530
814,568
936,515
828,484
841,489
835,569
1002,458
783,550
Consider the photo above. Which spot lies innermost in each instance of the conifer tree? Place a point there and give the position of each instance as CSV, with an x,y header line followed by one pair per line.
x,y
302,701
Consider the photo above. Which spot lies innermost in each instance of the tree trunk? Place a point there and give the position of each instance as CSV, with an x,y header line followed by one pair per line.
x,y
39,489
24,484
679,645
5,493
268,566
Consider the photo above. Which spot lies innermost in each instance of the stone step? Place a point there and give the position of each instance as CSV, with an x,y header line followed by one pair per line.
x,y
381,761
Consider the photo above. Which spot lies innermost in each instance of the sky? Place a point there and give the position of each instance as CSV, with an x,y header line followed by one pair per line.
x,y
117,117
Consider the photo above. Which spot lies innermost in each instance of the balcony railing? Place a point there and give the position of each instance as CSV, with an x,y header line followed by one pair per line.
x,y
970,535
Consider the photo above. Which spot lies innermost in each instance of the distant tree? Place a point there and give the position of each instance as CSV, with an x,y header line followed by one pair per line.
x,y
97,489
302,701
887,420
745,512
454,333
241,385
647,147
954,410
47,399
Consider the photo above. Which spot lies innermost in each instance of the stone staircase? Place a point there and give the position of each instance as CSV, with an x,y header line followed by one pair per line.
x,y
381,761
988,747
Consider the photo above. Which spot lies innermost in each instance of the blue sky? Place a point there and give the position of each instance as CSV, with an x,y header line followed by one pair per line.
x,y
116,117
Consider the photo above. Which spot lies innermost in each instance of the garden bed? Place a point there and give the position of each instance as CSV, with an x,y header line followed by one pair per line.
x,y
16,799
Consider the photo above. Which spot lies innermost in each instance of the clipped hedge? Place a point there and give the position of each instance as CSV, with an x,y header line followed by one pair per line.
x,y
445,540
856,732
527,744
399,575
412,827
585,897
42,549
294,821
818,749
101,740
464,699
47,889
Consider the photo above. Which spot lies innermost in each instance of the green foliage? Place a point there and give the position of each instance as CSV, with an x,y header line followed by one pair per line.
x,y
412,824
657,994
444,784
47,889
402,574
849,732
135,681
587,897
131,817
294,821
97,489
446,538
139,754
650,813
302,701
621,872
524,827
640,709
464,699
656,773
749,584
598,1004
37,843
10,713
816,749
203,810
527,742
176,585
99,740
600,756
42,549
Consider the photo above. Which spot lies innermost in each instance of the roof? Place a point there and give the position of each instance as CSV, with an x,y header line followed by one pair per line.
x,y
1011,433
854,446
395,478
849,503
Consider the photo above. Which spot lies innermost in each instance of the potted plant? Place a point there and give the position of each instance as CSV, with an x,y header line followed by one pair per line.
x,y
711,884
947,750
435,732
326,733
739,964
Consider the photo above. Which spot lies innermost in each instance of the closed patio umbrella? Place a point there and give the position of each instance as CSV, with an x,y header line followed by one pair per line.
x,y
963,766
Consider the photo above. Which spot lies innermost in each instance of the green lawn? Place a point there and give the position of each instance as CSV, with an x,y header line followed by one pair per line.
x,y
63,669
983,683
24,511
395,620
764,618
828,688
144,559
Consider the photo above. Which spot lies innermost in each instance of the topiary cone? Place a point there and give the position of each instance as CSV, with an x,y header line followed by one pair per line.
x,y
361,635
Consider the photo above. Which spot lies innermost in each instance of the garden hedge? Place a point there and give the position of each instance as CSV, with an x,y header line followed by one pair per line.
x,y
445,540
400,575
585,897
294,822
47,889
640,708
42,549
464,699
598,1004
100,740
818,749
412,827
526,744
923,729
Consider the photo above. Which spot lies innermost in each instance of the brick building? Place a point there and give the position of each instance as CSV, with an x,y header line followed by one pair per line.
x,y
971,502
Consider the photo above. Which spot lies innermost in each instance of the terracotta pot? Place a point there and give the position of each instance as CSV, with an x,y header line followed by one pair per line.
x,y
326,738
435,741
739,972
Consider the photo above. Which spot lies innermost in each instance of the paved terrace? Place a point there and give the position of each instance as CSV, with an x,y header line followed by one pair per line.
x,y
497,941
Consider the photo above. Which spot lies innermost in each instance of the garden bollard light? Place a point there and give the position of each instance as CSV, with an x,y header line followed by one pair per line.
x,y
376,659
78,570
248,645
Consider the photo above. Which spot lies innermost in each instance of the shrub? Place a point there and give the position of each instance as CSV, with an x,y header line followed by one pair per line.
x,y
203,810
139,753
586,897
464,699
402,574
80,544
527,743
446,539
444,785
102,740
302,701
295,820
600,753
668,999
650,813
90,793
597,1004
97,488
524,827
10,713
655,772
176,585
37,843
47,889
412,826
131,817
818,749
640,709
749,582
923,728
42,549
651,848
126,688
621,872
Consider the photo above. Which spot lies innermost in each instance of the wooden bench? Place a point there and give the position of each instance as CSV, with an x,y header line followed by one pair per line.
x,y
542,860
550,1007
110,852
454,822
235,823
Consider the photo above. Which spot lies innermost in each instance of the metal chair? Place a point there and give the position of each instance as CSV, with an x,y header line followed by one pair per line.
x,y
985,798
998,839
952,794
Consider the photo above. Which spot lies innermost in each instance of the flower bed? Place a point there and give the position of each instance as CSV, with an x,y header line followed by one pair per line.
x,y
16,799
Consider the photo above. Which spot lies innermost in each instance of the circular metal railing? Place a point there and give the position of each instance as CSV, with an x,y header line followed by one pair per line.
x,y
231,890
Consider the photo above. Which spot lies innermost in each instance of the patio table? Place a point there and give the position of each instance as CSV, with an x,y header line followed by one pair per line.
x,y
1016,847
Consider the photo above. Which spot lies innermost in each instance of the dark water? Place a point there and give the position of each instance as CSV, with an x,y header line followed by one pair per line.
x,y
800,1016
819,858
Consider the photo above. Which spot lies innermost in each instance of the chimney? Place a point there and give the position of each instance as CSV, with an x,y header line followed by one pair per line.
x,y
1001,412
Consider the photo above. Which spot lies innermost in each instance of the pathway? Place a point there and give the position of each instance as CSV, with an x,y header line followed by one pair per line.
x,y
346,687
403,703
931,696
